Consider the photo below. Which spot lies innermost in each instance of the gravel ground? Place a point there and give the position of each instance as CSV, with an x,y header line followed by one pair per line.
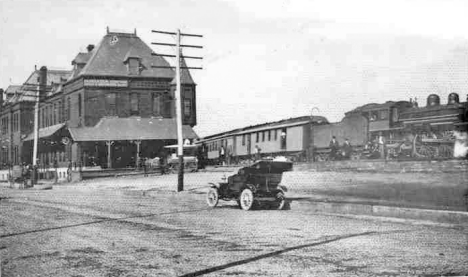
x,y
107,228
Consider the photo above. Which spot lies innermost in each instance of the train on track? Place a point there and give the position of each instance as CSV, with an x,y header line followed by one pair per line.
x,y
392,130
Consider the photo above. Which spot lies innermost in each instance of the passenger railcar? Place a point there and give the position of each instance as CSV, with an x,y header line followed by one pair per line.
x,y
289,137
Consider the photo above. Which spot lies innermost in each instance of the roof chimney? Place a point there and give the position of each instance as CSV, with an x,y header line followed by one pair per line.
x,y
42,80
90,47
1,99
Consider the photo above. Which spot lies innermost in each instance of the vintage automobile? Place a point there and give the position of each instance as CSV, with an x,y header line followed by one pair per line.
x,y
253,186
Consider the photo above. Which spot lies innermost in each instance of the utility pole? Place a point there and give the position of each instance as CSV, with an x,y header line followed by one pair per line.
x,y
36,125
178,93
41,80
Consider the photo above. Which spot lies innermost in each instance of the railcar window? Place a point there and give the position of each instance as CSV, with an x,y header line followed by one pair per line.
x,y
383,114
257,137
243,140
269,135
395,114
263,136
373,116
276,134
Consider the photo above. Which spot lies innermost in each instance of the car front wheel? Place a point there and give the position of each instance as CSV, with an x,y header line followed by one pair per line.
x,y
246,199
212,197
280,200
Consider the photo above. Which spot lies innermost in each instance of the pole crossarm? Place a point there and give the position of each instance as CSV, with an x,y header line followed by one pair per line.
x,y
174,56
181,34
175,45
182,67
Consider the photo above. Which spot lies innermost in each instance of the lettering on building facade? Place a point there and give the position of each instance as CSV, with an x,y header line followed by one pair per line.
x,y
105,83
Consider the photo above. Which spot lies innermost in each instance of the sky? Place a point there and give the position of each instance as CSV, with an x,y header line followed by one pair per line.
x,y
263,60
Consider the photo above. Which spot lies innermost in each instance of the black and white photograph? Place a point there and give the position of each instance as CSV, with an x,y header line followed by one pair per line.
x,y
233,138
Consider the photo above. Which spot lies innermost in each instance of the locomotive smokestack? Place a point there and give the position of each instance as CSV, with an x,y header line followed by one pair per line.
x,y
453,98
433,100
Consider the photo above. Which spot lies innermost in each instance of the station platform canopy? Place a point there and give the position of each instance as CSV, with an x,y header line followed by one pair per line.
x,y
131,128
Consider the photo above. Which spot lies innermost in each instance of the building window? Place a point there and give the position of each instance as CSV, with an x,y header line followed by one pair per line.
x,y
79,105
5,125
15,122
51,116
257,138
59,115
167,102
263,136
269,135
15,155
111,97
54,119
276,135
41,118
68,108
187,107
46,116
156,104
243,139
134,103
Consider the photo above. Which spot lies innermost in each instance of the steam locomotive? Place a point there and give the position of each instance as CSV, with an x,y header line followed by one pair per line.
x,y
398,130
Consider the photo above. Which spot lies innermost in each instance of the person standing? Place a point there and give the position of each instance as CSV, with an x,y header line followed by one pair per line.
x,y
347,149
222,154
382,146
334,147
257,152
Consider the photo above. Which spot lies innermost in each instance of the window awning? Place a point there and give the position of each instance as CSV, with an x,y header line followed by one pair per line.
x,y
131,128
45,132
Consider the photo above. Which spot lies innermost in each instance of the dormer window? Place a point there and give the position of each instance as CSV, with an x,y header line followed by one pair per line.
x,y
133,66
133,62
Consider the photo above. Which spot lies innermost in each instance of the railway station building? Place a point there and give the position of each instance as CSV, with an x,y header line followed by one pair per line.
x,y
112,109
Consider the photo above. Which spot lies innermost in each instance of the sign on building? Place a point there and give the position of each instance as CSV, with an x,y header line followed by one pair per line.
x,y
105,83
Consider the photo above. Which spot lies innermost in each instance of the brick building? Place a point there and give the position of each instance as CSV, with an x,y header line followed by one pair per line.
x,y
17,113
113,108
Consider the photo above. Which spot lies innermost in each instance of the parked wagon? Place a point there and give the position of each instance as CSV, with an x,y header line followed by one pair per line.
x,y
190,159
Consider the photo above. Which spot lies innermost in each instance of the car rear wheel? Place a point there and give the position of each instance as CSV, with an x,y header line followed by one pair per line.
x,y
212,197
246,199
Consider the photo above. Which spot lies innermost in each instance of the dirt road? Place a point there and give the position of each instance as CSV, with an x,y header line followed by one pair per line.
x,y
116,232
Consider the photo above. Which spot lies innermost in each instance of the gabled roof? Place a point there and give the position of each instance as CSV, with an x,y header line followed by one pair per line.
x,y
54,76
185,76
108,57
12,89
131,128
